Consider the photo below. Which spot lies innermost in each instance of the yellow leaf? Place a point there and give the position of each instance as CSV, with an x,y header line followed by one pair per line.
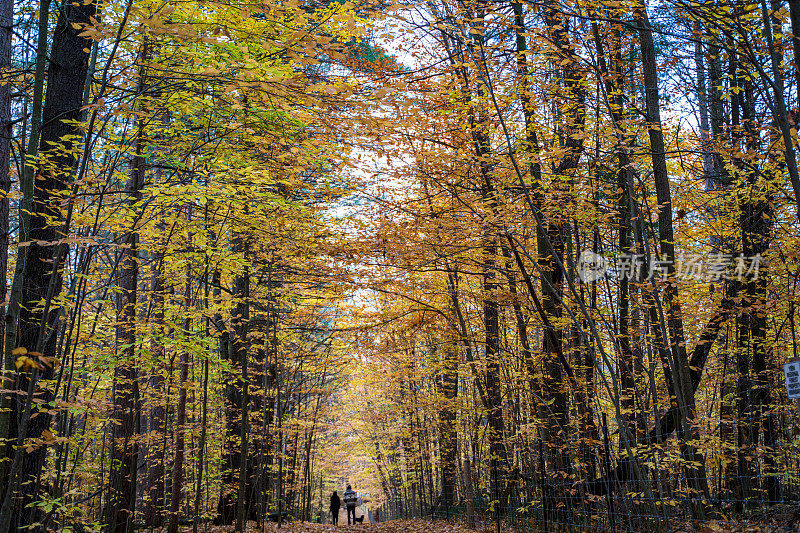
x,y
26,362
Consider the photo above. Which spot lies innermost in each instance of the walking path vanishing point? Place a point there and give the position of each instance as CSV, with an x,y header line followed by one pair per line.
x,y
361,510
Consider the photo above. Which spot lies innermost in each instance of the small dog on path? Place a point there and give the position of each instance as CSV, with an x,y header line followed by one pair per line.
x,y
359,519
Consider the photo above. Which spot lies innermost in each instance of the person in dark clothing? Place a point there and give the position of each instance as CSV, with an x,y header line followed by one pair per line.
x,y
350,500
336,504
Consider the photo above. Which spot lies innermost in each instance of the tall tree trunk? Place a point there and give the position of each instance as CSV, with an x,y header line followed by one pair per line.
x,y
447,380
6,27
201,455
702,104
153,504
727,414
552,236
11,314
613,83
682,379
756,219
226,508
29,169
180,437
41,276
125,450
479,132
239,346
614,88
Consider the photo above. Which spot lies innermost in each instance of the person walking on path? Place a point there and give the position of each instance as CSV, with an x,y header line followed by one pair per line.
x,y
350,500
336,504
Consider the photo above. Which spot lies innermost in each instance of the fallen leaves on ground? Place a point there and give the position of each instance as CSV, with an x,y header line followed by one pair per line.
x,y
392,526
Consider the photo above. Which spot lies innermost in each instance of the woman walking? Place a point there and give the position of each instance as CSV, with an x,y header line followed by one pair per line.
x,y
336,503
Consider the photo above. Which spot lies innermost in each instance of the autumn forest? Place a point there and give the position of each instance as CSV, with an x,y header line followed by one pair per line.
x,y
523,265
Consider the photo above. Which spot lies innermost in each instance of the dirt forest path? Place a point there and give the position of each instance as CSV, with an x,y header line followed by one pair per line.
x,y
781,523
392,526
361,510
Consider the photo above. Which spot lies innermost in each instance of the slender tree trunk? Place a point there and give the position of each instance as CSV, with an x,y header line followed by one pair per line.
x,y
6,28
201,456
226,508
41,276
11,326
155,504
125,451
628,216
469,495
756,219
240,347
682,379
448,444
702,104
180,440
552,236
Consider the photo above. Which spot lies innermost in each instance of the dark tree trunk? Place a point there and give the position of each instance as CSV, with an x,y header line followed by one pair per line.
x,y
682,380
448,444
226,508
125,448
231,508
756,219
240,347
552,236
180,437
41,277
153,504
6,28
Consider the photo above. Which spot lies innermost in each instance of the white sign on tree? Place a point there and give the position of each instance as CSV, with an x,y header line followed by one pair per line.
x,y
791,372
